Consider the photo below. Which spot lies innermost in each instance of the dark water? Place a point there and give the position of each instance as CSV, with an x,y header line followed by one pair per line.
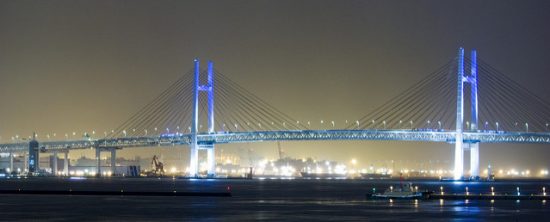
x,y
272,200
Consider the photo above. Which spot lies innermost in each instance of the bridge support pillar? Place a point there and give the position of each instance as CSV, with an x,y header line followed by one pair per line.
x,y
66,163
474,160
194,160
11,162
113,161
25,162
98,161
459,158
54,165
211,162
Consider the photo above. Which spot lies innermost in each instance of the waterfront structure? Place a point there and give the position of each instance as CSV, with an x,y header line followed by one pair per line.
x,y
247,118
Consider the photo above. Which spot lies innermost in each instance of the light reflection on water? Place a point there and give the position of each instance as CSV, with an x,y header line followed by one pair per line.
x,y
277,200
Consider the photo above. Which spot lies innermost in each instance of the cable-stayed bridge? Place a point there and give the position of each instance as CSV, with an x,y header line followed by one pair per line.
x,y
494,109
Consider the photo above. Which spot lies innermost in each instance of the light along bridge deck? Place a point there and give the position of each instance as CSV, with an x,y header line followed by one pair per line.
x,y
290,135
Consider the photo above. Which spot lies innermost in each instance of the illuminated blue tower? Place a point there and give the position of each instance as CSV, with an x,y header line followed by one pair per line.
x,y
195,147
459,143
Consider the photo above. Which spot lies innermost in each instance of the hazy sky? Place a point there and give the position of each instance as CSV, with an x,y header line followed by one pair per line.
x,y
81,65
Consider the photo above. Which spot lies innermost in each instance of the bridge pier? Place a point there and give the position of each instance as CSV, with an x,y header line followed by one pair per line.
x,y
113,161
66,163
98,161
25,161
474,160
11,162
211,162
54,165
194,160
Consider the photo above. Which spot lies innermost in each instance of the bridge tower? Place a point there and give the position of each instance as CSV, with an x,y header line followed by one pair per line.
x,y
459,143
195,146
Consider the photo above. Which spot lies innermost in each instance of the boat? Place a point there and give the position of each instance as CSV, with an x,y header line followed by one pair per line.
x,y
375,176
323,175
404,191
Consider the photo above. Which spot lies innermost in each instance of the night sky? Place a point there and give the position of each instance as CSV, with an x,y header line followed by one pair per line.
x,y
81,65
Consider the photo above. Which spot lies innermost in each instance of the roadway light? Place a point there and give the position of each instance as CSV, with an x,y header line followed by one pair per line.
x,y
526,127
373,123
486,124
496,125
411,122
428,124
357,123
145,132
384,122
400,122
439,124
332,124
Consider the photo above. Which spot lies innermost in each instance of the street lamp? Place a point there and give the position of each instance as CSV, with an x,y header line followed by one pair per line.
x,y
526,127
497,126
384,122
439,124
